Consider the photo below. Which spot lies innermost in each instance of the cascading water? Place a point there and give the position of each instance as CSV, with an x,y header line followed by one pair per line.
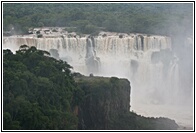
x,y
147,61
173,79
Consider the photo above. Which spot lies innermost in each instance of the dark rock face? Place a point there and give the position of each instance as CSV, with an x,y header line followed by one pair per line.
x,y
104,99
106,106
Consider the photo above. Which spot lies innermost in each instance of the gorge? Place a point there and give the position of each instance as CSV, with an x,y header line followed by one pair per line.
x,y
147,61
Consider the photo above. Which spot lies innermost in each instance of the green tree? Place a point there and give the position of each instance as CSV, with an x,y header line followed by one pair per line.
x,y
39,91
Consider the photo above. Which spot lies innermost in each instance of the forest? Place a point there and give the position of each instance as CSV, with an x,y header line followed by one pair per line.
x,y
151,18
38,91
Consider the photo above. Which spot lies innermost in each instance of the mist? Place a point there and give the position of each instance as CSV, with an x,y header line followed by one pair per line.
x,y
159,67
178,98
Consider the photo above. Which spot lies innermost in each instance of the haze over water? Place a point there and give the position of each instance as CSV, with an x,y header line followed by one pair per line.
x,y
148,62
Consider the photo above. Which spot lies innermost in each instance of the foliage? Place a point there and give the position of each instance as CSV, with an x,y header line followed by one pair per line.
x,y
132,121
38,91
152,18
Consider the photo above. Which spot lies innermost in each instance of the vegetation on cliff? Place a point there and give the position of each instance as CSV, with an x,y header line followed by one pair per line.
x,y
40,92
106,106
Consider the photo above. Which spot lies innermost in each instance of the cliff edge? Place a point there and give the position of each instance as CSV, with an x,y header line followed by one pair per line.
x,y
106,106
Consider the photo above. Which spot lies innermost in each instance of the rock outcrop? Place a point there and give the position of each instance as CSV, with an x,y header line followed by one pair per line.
x,y
106,106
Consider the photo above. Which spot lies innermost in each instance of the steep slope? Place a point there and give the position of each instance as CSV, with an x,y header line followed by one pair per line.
x,y
106,106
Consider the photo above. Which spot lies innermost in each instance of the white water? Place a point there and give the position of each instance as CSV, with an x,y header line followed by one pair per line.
x,y
155,87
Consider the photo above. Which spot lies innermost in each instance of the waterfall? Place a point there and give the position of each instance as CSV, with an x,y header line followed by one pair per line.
x,y
173,81
107,56
146,60
74,50
128,56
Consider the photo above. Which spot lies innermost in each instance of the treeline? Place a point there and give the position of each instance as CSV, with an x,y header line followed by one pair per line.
x,y
38,91
157,18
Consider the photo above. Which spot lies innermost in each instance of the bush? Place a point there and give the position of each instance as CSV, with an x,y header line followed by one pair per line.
x,y
114,80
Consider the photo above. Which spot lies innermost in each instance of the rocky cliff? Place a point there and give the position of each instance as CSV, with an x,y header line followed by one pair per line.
x,y
106,106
